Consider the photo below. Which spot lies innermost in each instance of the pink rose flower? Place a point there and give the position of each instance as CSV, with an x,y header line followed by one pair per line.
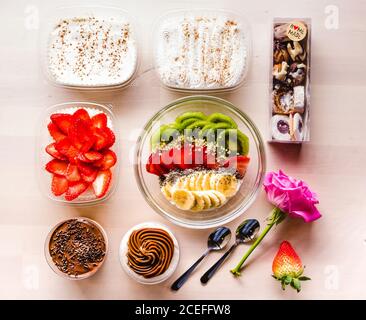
x,y
292,196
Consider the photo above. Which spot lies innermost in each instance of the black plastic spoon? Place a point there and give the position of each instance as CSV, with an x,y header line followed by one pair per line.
x,y
217,240
244,233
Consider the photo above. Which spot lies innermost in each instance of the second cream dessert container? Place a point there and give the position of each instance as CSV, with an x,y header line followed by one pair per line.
x,y
201,50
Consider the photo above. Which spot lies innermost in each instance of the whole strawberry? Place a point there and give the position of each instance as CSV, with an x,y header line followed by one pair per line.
x,y
287,267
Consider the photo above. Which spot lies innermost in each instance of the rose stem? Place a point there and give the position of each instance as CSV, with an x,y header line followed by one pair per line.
x,y
276,217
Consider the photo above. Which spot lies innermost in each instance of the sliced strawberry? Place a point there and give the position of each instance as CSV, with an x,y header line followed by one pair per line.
x,y
167,158
108,161
55,133
101,139
62,121
209,160
81,114
57,167
75,189
91,156
239,162
183,157
99,121
52,151
81,136
66,148
85,168
111,137
153,165
150,169
89,177
59,185
72,173
102,182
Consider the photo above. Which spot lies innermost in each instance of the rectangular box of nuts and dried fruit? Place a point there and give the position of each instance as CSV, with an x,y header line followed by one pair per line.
x,y
290,80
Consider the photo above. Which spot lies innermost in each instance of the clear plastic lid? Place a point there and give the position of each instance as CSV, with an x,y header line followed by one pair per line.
x,y
90,47
44,139
202,50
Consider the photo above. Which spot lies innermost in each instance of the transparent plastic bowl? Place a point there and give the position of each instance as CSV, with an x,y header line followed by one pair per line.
x,y
195,57
124,248
44,139
236,206
52,264
52,19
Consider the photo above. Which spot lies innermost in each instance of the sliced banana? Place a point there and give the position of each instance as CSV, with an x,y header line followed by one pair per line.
x,y
192,182
207,200
220,196
215,200
166,190
178,184
199,180
206,184
213,181
183,199
199,202
226,184
186,184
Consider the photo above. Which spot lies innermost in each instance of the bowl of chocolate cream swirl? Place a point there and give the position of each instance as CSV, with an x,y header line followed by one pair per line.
x,y
149,253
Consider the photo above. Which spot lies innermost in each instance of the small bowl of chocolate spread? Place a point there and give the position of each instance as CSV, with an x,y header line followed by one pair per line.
x,y
76,248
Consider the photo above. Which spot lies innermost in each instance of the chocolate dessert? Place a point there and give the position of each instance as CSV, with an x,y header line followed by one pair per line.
x,y
77,247
150,251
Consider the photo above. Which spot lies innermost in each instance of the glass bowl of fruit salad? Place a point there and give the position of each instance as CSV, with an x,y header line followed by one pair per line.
x,y
200,162
77,153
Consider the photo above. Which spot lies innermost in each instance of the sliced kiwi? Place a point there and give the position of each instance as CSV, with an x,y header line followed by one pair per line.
x,y
235,141
199,124
219,117
166,133
190,115
185,123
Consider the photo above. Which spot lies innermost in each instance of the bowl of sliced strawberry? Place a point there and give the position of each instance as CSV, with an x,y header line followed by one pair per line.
x,y
78,148
200,162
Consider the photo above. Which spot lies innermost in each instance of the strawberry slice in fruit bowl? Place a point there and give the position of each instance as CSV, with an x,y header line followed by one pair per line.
x,y
154,165
166,159
239,163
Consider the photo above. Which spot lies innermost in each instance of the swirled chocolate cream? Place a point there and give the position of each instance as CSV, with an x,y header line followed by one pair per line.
x,y
150,251
77,247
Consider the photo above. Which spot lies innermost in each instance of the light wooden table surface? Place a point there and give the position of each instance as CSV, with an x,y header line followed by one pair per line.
x,y
333,163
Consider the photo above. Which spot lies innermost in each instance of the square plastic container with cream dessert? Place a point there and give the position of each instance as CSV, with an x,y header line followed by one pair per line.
x,y
44,139
202,50
89,47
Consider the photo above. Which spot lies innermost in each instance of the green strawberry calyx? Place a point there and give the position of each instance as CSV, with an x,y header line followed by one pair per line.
x,y
293,281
